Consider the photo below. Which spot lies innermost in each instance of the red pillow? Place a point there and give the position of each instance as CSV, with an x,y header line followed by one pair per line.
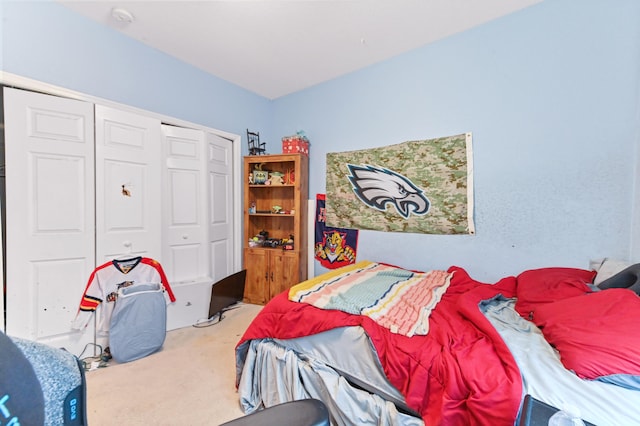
x,y
596,333
546,285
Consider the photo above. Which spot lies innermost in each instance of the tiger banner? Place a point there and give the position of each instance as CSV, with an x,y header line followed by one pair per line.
x,y
333,247
422,186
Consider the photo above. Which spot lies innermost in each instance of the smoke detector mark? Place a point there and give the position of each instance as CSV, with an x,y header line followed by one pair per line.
x,y
122,16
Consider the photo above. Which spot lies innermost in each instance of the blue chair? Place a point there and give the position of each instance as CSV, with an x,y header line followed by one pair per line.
x,y
40,385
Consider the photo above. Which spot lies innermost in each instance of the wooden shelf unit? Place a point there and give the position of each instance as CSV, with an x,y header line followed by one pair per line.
x,y
272,270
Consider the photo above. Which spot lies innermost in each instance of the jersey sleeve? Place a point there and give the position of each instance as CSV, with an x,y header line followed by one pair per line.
x,y
91,298
163,278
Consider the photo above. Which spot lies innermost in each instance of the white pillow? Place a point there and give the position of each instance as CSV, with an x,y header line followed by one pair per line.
x,y
606,268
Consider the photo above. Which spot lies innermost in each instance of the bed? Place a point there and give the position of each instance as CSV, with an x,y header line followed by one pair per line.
x,y
467,354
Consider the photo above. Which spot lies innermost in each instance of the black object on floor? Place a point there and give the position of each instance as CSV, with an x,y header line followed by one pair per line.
x,y
304,412
537,413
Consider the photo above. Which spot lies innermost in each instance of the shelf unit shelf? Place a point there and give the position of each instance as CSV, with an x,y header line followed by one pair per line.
x,y
286,185
273,214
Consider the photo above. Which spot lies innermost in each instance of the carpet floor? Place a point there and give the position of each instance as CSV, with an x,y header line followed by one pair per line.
x,y
190,381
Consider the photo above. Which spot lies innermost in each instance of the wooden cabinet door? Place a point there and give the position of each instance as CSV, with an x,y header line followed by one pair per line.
x,y
284,271
256,289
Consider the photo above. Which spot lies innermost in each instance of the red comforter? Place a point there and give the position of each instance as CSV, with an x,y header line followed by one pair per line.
x,y
461,373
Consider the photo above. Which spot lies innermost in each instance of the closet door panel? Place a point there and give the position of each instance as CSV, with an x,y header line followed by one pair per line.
x,y
221,256
128,190
49,152
185,239
58,186
184,260
56,289
220,187
125,212
184,245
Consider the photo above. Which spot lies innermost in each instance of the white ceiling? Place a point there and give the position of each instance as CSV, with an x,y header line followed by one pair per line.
x,y
277,47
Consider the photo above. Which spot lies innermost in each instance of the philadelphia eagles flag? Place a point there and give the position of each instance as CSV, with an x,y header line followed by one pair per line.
x,y
423,186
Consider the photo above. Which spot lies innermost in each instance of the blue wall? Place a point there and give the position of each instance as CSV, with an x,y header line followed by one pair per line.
x,y
47,42
551,96
550,93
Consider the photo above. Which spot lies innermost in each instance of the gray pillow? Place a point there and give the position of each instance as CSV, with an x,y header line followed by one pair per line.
x,y
627,278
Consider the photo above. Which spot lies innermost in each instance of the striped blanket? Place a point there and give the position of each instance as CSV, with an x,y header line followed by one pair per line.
x,y
395,298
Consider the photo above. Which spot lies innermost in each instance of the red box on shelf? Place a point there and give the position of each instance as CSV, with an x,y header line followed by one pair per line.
x,y
294,145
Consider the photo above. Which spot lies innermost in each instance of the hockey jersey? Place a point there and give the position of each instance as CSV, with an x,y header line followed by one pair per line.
x,y
105,281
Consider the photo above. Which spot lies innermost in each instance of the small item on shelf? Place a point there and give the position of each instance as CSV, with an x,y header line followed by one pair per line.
x,y
260,176
275,178
271,242
258,240
255,146
252,208
276,209
297,143
288,244
290,177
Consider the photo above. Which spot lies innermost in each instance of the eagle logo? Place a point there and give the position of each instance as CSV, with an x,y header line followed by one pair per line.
x,y
377,187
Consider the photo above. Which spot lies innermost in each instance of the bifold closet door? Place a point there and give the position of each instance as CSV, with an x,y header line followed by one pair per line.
x,y
128,185
185,249
220,196
49,149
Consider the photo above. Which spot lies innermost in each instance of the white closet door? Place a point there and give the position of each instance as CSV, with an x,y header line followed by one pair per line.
x,y
220,169
50,215
185,206
128,185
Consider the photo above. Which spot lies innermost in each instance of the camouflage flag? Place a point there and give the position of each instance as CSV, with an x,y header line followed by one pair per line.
x,y
421,186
